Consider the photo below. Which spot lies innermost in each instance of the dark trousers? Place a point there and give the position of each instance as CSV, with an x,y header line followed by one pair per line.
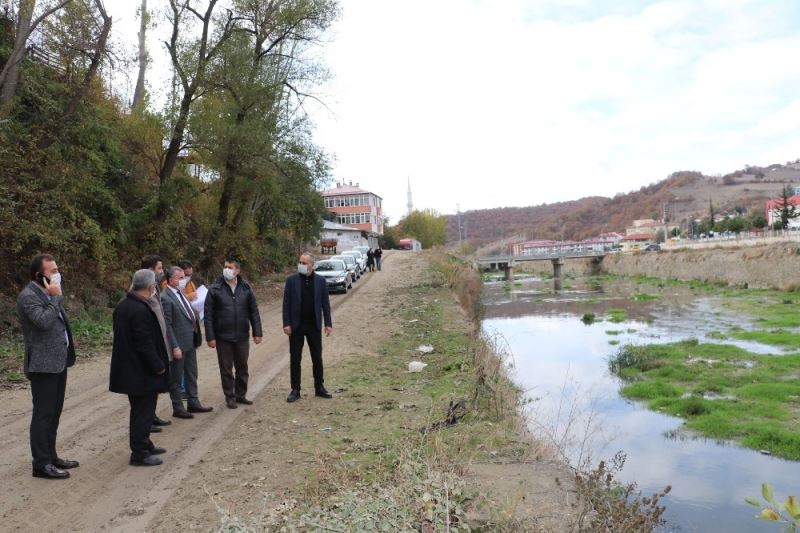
x,y
183,378
143,410
48,401
313,336
233,355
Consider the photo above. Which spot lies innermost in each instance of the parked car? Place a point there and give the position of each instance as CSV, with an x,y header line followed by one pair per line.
x,y
361,258
336,274
352,265
652,248
362,249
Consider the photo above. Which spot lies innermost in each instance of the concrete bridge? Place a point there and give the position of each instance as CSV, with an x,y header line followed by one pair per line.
x,y
506,262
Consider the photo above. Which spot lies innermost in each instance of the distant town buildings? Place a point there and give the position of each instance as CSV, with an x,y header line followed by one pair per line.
x,y
355,207
600,243
775,206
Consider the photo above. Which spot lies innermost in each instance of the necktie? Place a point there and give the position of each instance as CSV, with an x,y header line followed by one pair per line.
x,y
188,310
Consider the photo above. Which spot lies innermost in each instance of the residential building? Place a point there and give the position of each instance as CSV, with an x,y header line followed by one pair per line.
x,y
346,237
774,208
355,207
601,243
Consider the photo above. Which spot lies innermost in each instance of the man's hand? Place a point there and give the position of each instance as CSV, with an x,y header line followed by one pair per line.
x,y
287,330
212,344
53,289
177,353
257,340
328,331
161,372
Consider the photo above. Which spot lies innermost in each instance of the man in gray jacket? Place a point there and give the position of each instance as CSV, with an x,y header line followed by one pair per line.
x,y
49,350
183,331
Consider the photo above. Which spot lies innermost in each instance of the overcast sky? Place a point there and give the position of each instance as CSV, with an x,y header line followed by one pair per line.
x,y
490,103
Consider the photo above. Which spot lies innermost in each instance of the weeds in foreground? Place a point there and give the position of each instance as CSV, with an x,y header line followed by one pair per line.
x,y
786,513
614,507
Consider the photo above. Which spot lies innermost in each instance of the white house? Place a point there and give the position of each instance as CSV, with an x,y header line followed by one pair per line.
x,y
347,237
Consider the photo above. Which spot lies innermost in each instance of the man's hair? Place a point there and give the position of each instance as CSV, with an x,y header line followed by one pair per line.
x,y
142,279
235,260
185,264
309,254
150,261
172,270
36,264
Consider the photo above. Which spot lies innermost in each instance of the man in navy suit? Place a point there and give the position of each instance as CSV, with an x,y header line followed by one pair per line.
x,y
305,307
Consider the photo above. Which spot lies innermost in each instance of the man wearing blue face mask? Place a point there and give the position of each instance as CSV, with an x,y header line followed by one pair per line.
x,y
305,308
229,313
49,350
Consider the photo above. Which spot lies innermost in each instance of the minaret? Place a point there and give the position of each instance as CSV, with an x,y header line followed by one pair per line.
x,y
410,203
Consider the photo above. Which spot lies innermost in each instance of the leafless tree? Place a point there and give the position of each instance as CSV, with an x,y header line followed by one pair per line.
x,y
138,94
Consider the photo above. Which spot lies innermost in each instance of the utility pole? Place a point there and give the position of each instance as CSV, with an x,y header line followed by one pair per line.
x,y
458,214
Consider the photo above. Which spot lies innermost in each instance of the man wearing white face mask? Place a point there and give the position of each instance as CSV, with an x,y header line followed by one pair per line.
x,y
183,331
230,311
306,308
49,350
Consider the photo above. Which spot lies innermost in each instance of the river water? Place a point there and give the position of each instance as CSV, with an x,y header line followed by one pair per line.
x,y
561,364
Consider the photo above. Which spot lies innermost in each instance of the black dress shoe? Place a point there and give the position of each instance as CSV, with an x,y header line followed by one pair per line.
x,y
244,401
155,429
65,464
293,396
147,461
157,451
231,403
199,409
322,393
161,422
183,413
50,472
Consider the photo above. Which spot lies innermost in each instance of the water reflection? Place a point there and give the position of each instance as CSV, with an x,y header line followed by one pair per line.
x,y
562,362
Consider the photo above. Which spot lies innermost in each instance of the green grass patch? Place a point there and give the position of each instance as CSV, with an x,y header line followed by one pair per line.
x,y
777,337
614,332
613,342
722,392
643,297
616,315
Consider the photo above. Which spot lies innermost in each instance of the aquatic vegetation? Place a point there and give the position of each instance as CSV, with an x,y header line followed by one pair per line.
x,y
776,337
617,315
588,318
643,297
722,391
613,332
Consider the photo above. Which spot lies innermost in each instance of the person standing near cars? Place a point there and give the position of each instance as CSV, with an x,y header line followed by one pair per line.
x,y
378,253
306,308
139,364
230,311
49,351
370,260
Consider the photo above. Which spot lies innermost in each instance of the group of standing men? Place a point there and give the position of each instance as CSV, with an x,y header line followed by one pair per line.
x,y
156,336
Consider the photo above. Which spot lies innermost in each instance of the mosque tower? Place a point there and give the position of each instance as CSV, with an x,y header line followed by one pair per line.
x,y
410,204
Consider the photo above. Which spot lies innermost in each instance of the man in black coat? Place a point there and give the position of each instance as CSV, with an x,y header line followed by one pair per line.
x,y
49,350
139,364
305,306
230,311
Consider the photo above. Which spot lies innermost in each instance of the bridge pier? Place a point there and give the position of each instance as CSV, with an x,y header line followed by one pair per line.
x,y
558,262
508,270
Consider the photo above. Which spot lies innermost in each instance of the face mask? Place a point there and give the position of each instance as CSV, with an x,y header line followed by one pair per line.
x,y
55,279
228,273
182,283
303,269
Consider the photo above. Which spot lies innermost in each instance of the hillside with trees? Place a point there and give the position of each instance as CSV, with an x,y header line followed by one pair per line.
x,y
685,196
225,165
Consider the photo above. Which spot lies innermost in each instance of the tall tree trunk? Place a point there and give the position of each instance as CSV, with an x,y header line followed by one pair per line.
x,y
10,75
176,141
229,178
138,94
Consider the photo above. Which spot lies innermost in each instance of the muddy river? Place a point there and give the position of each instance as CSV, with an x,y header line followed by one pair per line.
x,y
561,364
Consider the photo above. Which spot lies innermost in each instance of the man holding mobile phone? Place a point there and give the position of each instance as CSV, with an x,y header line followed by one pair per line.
x,y
49,350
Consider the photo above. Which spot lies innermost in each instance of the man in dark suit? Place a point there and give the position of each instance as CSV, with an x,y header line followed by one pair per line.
x,y
154,263
49,350
229,313
305,306
183,331
139,364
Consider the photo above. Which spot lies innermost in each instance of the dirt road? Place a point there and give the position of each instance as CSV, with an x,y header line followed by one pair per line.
x,y
231,461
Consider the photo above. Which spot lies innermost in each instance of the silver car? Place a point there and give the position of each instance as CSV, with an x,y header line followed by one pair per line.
x,y
336,274
361,258
352,265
